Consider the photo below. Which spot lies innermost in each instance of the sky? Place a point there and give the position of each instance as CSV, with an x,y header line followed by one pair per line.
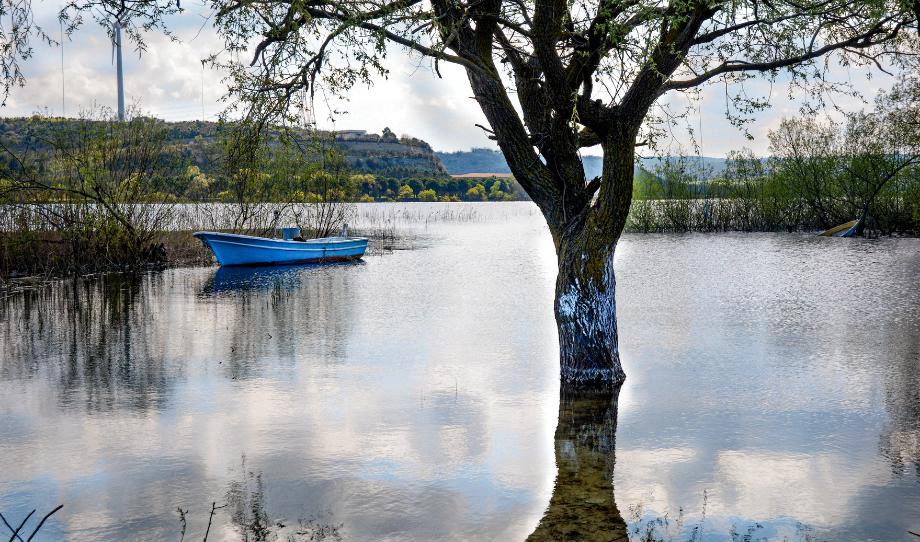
x,y
168,82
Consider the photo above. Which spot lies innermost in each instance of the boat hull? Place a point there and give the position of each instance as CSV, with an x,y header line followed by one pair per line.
x,y
843,230
231,249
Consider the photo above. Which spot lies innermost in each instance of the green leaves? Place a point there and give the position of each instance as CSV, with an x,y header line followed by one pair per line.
x,y
860,169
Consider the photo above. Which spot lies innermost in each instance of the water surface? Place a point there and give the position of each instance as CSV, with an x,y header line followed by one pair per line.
x,y
771,391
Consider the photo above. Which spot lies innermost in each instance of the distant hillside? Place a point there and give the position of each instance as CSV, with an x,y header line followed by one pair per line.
x,y
473,161
390,156
492,161
386,155
31,133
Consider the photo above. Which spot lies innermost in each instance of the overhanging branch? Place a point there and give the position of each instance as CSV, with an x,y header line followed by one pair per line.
x,y
860,41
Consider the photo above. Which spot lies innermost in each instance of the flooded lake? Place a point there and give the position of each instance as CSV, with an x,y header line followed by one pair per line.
x,y
772,393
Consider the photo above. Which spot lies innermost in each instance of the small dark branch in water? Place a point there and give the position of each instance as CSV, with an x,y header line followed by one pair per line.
x,y
913,533
182,519
16,532
213,508
42,522
11,528
21,525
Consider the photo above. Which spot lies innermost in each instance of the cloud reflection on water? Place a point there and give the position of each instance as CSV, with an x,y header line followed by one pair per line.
x,y
387,394
415,396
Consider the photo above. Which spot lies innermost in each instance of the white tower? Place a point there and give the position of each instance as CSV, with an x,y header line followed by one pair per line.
x,y
117,26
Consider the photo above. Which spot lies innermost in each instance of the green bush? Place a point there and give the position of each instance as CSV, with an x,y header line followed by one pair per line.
x,y
405,192
477,192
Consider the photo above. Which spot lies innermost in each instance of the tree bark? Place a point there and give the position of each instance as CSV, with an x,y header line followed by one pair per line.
x,y
586,285
585,230
586,309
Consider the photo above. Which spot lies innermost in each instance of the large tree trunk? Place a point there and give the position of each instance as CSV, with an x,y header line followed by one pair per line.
x,y
585,230
586,286
586,308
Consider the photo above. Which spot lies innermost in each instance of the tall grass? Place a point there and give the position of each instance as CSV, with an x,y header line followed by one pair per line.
x,y
91,198
776,194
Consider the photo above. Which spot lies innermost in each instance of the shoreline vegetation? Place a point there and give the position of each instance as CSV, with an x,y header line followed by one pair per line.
x,y
89,195
778,195
93,194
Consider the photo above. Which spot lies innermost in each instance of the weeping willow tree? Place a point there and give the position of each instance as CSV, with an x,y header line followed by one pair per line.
x,y
582,73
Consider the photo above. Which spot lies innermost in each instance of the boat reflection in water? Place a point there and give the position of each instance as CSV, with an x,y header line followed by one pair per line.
x,y
261,278
582,506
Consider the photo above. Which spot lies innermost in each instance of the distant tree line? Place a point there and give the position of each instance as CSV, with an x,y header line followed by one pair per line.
x,y
374,188
388,166
820,174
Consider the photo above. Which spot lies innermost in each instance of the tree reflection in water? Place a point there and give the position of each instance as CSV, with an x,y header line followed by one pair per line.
x,y
246,499
582,506
246,504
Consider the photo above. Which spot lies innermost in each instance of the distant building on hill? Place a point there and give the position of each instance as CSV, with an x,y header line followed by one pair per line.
x,y
350,134
482,175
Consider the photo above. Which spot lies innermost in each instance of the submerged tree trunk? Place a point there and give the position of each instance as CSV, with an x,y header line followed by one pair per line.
x,y
585,219
586,309
586,286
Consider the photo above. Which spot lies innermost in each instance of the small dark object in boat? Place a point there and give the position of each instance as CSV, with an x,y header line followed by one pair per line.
x,y
298,238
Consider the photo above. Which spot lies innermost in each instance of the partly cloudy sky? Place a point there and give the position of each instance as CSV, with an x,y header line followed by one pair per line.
x,y
168,82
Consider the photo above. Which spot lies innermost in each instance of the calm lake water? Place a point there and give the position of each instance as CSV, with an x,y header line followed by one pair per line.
x,y
773,391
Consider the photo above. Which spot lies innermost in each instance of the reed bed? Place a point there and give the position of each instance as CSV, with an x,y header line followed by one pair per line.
x,y
757,194
392,227
714,215
398,226
403,214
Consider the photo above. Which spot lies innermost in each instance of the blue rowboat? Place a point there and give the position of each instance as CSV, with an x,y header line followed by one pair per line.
x,y
231,249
